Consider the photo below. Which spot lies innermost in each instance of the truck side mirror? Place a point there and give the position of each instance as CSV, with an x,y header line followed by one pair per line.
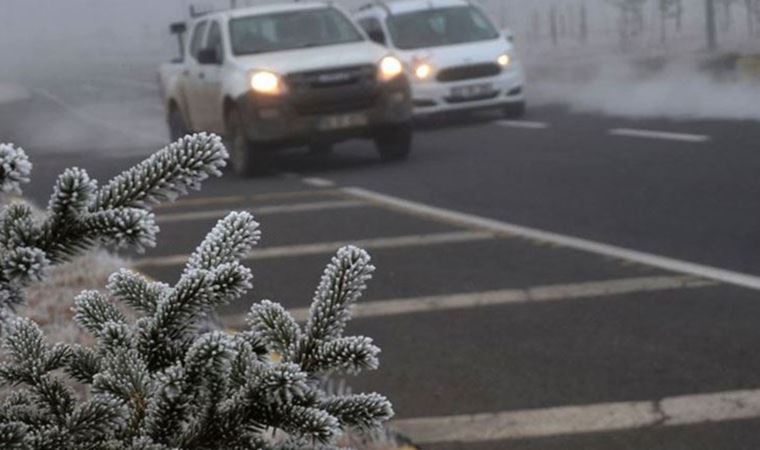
x,y
178,28
209,56
377,36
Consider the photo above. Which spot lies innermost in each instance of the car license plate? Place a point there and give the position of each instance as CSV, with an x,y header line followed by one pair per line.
x,y
472,91
343,121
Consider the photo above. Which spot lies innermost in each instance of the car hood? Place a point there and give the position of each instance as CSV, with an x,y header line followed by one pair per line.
x,y
459,55
299,60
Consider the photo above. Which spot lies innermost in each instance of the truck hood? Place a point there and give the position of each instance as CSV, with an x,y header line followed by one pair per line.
x,y
459,55
299,60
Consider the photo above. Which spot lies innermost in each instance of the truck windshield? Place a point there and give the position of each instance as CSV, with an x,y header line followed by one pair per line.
x,y
291,30
439,27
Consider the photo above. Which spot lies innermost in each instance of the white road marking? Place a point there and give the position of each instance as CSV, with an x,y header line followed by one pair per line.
x,y
651,134
573,420
549,293
523,124
330,247
318,182
262,210
228,199
476,222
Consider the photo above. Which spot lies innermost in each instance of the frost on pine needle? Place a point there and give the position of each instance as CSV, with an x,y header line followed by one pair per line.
x,y
80,215
15,168
160,382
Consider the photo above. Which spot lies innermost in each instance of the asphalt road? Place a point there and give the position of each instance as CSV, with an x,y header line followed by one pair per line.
x,y
494,336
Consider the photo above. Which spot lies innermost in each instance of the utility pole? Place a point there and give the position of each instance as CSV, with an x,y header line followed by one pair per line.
x,y
712,29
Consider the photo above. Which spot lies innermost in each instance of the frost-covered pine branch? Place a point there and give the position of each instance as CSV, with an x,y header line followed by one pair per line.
x,y
81,215
162,383
15,168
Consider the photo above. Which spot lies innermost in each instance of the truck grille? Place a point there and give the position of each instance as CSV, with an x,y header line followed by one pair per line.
x,y
338,90
469,72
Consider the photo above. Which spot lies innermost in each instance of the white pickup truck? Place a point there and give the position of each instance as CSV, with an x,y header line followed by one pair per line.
x,y
286,75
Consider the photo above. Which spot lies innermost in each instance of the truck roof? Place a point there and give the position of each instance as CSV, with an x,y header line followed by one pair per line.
x,y
265,9
407,6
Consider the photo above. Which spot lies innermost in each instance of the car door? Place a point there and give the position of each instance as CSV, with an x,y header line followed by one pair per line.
x,y
209,89
192,78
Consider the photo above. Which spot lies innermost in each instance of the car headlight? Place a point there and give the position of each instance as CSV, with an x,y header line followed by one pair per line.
x,y
504,60
423,71
265,82
390,67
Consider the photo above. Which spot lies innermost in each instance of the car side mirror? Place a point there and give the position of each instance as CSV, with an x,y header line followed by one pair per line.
x,y
209,56
377,36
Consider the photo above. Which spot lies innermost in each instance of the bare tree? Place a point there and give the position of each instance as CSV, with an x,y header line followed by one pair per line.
x,y
631,21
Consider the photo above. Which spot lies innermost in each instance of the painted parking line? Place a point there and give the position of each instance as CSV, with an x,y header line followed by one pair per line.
x,y
262,210
536,294
662,135
231,199
474,222
573,420
523,124
331,247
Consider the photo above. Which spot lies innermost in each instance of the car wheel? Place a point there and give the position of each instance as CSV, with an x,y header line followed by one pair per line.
x,y
394,142
242,153
515,110
177,127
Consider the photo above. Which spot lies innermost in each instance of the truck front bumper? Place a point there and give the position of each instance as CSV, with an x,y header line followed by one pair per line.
x,y
295,119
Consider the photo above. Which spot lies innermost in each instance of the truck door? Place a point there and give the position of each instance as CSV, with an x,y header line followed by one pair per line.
x,y
209,90
192,78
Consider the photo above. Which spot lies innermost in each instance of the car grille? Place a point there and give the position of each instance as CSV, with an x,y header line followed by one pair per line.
x,y
338,90
469,72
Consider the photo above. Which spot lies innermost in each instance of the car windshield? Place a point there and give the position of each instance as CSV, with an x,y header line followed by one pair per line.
x,y
291,30
439,27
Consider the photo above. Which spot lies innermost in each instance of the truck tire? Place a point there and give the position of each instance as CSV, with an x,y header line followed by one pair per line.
x,y
177,127
244,158
320,148
394,143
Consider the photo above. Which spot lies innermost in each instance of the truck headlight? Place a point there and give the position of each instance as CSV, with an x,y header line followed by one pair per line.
x,y
423,71
504,60
390,68
265,82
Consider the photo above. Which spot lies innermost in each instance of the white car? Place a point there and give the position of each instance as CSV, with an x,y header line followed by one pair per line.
x,y
296,74
455,56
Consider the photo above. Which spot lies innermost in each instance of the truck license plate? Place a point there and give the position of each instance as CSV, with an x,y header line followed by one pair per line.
x,y
343,121
472,91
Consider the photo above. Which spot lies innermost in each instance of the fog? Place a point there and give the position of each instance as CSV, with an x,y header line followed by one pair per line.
x,y
47,43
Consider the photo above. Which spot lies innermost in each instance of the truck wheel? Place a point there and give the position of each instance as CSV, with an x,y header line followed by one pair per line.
x,y
394,142
245,161
177,127
320,149
515,110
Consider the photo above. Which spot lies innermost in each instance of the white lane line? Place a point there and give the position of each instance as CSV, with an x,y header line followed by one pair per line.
x,y
523,124
263,210
229,199
573,420
549,293
330,247
318,182
664,135
476,222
